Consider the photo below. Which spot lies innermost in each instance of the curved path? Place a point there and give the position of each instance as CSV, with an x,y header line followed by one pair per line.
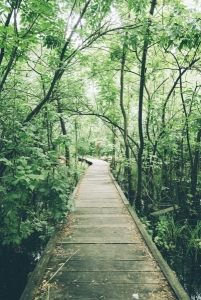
x,y
100,253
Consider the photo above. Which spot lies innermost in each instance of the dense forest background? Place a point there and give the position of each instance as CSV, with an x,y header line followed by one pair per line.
x,y
105,78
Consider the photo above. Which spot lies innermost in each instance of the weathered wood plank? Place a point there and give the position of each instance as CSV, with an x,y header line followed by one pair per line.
x,y
100,220
106,291
101,235
99,240
98,190
98,204
98,193
66,276
96,196
98,199
94,264
101,251
100,210
113,218
98,183
117,225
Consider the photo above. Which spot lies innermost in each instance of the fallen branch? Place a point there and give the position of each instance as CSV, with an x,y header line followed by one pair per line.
x,y
60,267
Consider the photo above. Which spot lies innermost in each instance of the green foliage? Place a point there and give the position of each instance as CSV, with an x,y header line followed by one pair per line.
x,y
116,54
165,233
98,10
138,6
147,224
52,42
194,242
34,197
169,233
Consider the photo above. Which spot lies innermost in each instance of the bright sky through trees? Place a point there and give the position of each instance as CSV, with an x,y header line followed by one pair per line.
x,y
193,4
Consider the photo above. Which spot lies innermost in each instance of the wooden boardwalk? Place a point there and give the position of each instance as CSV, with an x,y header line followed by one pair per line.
x,y
100,253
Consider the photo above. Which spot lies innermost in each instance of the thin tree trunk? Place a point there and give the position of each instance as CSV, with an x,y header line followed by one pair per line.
x,y
138,202
194,177
76,142
64,131
113,163
128,169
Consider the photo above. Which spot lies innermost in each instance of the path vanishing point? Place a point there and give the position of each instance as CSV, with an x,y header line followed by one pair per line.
x,y
103,252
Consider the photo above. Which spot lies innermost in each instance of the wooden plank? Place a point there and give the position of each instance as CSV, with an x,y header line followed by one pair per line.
x,y
114,217
102,265
100,252
94,178
106,291
97,199
100,240
66,276
100,210
94,191
101,235
98,204
101,184
94,183
83,192
89,177
117,225
98,189
98,173
95,220
99,220
152,296
96,196
143,297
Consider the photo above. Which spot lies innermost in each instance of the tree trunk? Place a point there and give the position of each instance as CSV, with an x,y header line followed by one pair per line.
x,y
128,169
113,163
64,131
138,201
194,178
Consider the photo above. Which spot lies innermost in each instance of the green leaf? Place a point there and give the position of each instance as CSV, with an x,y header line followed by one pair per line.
x,y
6,161
11,214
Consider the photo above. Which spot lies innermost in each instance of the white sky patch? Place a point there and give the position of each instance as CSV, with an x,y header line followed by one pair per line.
x,y
193,4
114,17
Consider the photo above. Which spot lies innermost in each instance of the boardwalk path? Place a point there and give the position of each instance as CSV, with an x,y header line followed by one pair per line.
x,y
104,254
